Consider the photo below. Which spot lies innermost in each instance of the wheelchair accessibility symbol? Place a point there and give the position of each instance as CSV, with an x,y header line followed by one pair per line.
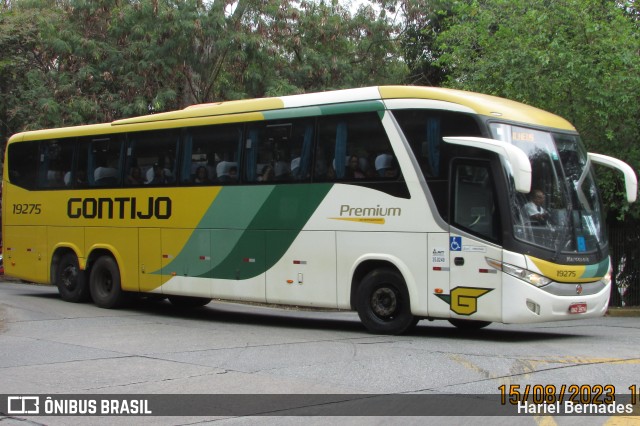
x,y
455,243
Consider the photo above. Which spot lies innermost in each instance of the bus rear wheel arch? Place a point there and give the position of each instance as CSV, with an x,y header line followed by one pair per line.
x,y
105,284
70,279
382,302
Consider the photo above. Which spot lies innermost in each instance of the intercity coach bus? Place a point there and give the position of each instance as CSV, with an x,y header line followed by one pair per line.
x,y
401,203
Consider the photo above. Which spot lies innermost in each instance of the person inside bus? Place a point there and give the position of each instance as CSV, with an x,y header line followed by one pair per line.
x,y
227,171
383,164
535,210
107,171
281,169
55,179
353,168
202,176
267,174
81,179
160,175
135,176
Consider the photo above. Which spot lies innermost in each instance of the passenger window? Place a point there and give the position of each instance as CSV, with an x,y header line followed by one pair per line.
x,y
56,161
23,163
211,155
151,158
354,147
279,151
424,129
105,161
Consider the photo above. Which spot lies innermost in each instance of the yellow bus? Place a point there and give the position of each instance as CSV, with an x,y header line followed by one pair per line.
x,y
401,203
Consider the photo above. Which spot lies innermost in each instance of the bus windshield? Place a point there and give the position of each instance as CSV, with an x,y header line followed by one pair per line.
x,y
563,211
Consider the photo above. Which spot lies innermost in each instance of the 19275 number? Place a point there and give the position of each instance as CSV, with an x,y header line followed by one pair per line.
x,y
25,208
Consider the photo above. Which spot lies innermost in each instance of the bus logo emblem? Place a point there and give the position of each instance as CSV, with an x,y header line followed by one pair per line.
x,y
464,300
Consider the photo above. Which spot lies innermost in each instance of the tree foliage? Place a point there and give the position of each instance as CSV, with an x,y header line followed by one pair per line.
x,y
423,22
69,62
577,58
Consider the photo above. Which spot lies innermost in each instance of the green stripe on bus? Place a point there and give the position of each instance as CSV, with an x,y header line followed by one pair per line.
x,y
249,229
273,230
314,111
228,216
598,270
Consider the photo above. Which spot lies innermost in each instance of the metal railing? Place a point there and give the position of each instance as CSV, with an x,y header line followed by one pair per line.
x,y
624,246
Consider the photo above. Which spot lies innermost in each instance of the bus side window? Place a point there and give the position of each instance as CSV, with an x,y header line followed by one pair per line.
x,y
211,154
105,161
153,155
354,147
198,159
23,161
56,157
279,151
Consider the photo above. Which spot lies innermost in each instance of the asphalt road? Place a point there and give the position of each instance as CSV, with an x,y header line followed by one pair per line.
x,y
48,346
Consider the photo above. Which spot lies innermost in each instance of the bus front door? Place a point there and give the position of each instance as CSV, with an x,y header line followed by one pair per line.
x,y
475,287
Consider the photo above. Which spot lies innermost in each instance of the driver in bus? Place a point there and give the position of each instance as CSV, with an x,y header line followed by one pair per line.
x,y
535,208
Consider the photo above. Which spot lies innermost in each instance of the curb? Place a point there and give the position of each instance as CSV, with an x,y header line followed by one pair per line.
x,y
633,311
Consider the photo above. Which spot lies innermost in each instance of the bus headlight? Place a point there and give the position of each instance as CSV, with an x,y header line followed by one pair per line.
x,y
531,277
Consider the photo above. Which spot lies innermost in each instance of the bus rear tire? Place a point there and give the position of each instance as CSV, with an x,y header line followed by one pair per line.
x,y
104,283
469,324
70,280
382,302
188,301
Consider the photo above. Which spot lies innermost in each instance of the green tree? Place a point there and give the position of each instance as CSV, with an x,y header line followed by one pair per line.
x,y
67,62
26,62
325,47
423,22
577,58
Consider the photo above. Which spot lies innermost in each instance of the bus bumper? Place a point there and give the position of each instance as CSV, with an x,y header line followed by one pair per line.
x,y
525,303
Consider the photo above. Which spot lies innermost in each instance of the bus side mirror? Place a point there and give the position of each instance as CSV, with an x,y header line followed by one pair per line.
x,y
630,179
520,164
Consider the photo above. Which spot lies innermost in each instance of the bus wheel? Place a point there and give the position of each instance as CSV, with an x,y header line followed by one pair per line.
x,y
382,302
70,280
104,283
188,302
469,324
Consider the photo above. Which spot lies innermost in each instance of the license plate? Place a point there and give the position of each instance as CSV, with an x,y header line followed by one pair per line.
x,y
578,308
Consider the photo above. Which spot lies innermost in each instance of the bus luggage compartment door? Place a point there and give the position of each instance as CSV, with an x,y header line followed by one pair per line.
x,y
25,253
150,259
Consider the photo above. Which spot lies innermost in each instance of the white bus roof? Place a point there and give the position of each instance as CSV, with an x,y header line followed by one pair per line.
x,y
252,109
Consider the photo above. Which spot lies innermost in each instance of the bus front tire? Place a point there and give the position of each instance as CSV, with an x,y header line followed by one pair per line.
x,y
382,302
70,280
104,283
